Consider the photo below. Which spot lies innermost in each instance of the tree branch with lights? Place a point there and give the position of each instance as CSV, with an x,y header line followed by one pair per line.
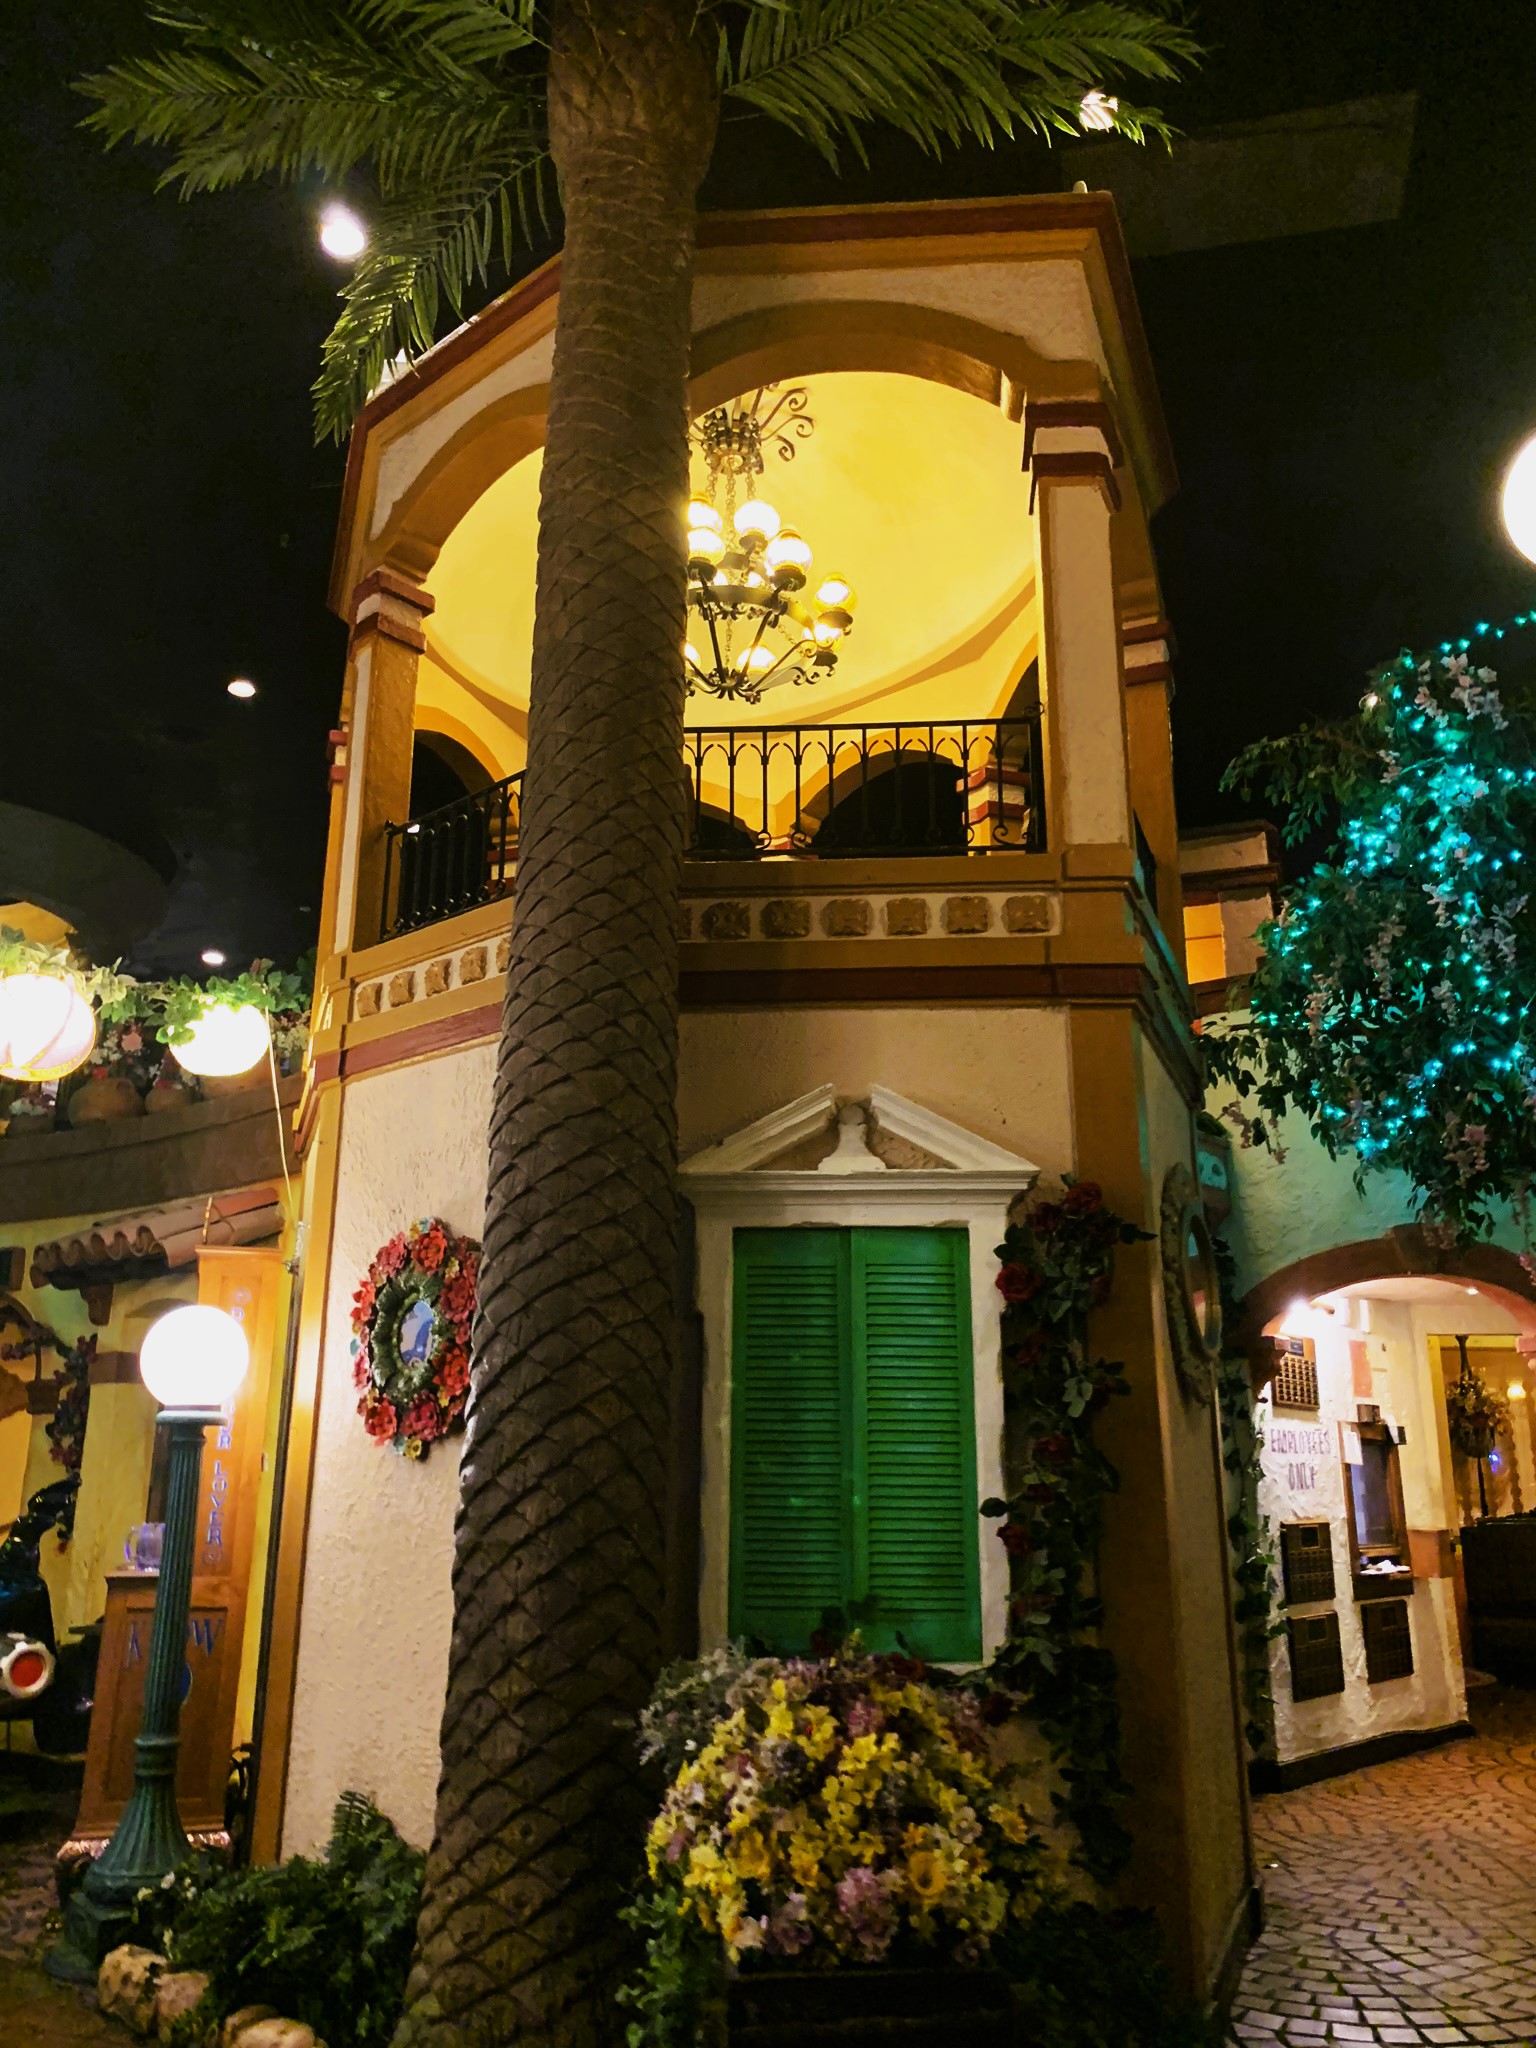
x,y
1392,1006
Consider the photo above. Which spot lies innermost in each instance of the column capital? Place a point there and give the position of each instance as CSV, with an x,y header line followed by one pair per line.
x,y
392,605
1072,440
1147,651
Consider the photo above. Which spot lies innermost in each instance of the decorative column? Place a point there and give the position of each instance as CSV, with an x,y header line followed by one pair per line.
x,y
1147,645
150,1839
1071,451
387,642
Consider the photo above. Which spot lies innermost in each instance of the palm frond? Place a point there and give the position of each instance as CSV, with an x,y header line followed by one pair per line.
x,y
941,71
427,247
287,87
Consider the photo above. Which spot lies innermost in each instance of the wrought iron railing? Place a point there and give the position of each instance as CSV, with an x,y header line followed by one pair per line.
x,y
451,859
800,791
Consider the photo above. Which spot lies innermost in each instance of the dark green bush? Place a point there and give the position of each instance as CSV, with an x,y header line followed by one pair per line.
x,y
327,1942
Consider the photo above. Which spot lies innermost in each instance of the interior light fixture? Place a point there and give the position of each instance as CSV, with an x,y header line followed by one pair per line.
x,y
212,957
241,686
342,234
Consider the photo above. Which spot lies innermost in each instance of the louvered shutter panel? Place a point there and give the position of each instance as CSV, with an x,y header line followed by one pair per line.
x,y
917,1529
791,1480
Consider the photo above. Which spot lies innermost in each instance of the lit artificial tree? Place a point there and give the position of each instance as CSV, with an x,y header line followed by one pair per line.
x,y
1393,1003
192,1360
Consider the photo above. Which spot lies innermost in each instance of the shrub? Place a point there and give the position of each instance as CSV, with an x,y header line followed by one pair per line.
x,y
324,1941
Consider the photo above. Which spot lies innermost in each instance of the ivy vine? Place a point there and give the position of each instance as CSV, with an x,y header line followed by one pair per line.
x,y
1057,1266
1255,1590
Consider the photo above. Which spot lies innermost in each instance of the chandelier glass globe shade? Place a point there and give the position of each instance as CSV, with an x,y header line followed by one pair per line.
x,y
1519,500
194,1357
47,1028
228,1038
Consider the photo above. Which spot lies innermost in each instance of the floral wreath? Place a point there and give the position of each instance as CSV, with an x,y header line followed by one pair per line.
x,y
410,1350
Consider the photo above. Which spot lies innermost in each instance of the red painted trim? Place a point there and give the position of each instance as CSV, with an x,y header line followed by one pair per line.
x,y
1070,468
1071,412
1148,672
737,988
1147,629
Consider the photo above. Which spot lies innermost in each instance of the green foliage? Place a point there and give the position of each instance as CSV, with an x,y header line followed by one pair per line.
x,y
440,103
1391,1006
21,955
1253,1541
326,1942
1058,1264
1087,1978
681,1981
175,1006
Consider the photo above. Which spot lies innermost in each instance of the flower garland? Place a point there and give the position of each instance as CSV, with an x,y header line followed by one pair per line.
x,y
65,1428
411,1319
1057,1265
1255,1590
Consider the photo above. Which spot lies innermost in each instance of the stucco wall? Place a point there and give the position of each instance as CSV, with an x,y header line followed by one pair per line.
x,y
374,1636
999,1072
373,1645
1303,1480
1210,1760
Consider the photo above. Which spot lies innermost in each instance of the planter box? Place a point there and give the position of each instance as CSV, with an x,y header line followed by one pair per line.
x,y
873,2008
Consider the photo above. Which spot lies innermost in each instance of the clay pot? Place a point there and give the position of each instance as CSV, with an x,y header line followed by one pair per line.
x,y
29,1120
108,1099
172,1090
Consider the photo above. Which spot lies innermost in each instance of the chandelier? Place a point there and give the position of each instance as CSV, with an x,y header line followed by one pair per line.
x,y
747,570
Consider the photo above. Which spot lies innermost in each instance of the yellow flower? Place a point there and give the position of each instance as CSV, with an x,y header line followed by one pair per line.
x,y
1010,1823
926,1875
805,1862
705,1868
750,1856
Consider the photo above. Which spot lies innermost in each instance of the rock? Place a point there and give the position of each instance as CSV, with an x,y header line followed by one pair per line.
x,y
276,2033
238,2022
175,1995
125,1986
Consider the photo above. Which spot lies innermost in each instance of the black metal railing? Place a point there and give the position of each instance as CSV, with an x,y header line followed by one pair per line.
x,y
843,791
451,859
812,792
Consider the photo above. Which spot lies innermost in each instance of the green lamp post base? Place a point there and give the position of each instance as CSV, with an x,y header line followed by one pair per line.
x,y
149,1841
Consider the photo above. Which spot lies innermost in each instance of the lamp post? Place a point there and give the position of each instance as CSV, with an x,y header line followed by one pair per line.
x,y
192,1361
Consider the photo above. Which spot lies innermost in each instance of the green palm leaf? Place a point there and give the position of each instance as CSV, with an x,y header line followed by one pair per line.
x,y
441,103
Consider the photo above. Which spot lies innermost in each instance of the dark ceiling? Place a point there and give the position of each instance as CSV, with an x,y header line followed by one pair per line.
x,y
1341,405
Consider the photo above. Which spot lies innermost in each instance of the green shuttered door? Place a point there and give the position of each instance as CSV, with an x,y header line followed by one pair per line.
x,y
853,1437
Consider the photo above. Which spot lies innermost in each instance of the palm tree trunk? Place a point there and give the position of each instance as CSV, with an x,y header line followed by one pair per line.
x,y
560,1555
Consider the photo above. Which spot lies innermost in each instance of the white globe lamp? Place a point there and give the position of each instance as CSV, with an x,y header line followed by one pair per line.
x,y
194,1357
47,1028
1518,501
228,1038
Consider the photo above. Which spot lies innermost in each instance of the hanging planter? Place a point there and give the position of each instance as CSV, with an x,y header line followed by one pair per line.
x,y
411,1320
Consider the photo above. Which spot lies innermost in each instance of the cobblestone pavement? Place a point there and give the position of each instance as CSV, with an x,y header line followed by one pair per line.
x,y
1401,1900
37,1810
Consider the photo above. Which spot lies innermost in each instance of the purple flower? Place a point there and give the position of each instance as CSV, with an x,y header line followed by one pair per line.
x,y
789,1929
864,1900
864,1718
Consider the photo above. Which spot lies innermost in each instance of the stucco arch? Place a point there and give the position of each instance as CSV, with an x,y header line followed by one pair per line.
x,y
768,345
1398,1254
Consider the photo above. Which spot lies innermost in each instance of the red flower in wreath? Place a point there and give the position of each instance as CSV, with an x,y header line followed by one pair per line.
x,y
457,1300
1082,1198
1016,1539
1028,1352
1055,1450
379,1418
412,1317
431,1248
422,1419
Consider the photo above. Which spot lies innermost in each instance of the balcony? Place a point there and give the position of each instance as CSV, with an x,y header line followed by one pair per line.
x,y
786,792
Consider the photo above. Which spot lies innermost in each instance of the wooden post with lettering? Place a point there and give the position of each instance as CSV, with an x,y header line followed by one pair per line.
x,y
246,1283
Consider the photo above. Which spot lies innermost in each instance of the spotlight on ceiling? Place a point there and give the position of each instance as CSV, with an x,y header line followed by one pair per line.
x,y
241,686
342,234
212,957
